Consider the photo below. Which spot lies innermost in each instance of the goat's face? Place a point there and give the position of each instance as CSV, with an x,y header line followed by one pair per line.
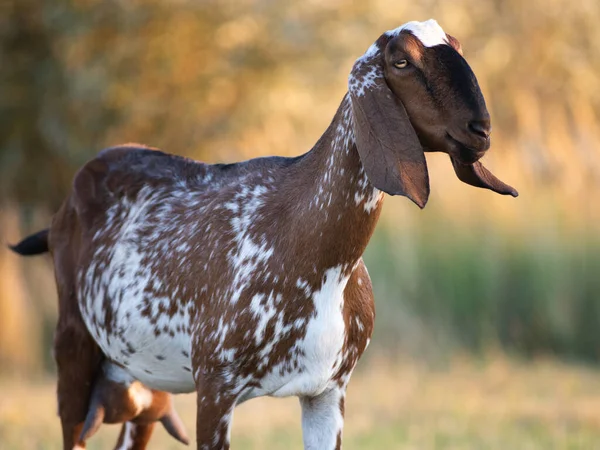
x,y
441,96
413,92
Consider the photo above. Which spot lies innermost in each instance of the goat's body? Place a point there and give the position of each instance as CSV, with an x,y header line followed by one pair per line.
x,y
246,279
246,275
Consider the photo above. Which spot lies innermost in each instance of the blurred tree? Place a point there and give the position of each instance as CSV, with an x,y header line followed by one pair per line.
x,y
234,79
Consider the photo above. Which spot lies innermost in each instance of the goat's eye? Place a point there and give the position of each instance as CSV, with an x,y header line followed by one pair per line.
x,y
401,64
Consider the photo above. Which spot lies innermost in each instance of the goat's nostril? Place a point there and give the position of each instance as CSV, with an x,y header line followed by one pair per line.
x,y
482,128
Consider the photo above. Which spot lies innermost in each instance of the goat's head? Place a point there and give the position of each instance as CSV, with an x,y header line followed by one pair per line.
x,y
412,92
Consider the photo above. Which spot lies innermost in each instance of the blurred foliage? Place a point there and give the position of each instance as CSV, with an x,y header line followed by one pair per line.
x,y
229,80
454,291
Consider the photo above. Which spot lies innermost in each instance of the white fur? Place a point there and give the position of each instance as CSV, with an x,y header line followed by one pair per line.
x,y
373,201
167,374
310,373
322,420
321,345
429,32
141,396
127,438
116,373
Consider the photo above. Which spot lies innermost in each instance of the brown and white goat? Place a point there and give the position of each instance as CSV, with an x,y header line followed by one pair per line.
x,y
244,280
118,398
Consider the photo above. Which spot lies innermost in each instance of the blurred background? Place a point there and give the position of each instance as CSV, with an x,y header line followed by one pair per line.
x,y
488,307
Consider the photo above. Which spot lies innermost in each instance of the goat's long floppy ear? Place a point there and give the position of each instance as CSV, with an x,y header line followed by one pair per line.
x,y
478,176
389,148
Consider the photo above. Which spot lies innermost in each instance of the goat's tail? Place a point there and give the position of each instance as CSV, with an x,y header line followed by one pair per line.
x,y
32,245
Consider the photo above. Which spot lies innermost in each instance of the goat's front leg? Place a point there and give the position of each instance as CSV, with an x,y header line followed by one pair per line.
x,y
215,412
134,436
323,419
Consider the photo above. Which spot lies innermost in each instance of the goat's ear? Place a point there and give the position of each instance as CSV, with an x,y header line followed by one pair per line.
x,y
454,43
478,176
389,148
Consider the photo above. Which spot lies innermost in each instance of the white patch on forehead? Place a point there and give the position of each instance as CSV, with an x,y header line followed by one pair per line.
x,y
429,32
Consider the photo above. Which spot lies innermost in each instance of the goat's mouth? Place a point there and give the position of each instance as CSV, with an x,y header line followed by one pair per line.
x,y
464,153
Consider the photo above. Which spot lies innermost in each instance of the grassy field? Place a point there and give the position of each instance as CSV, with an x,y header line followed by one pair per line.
x,y
497,404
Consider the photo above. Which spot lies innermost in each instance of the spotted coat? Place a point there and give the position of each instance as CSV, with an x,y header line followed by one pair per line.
x,y
234,280
238,280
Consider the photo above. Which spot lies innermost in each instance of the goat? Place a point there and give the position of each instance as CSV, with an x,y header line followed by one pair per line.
x,y
117,398
245,280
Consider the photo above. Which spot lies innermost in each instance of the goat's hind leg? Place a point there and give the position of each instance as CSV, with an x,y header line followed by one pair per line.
x,y
78,360
134,436
323,419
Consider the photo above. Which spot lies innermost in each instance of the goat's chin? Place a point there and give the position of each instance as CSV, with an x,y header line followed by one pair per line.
x,y
468,157
462,153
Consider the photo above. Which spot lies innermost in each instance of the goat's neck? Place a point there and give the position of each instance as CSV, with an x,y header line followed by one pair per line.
x,y
343,206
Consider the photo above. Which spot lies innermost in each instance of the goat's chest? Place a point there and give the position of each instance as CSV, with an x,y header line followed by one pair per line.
x,y
315,359
281,344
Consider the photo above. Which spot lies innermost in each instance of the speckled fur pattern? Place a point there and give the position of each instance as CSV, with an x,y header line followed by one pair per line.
x,y
152,324
247,279
366,75
236,281
231,280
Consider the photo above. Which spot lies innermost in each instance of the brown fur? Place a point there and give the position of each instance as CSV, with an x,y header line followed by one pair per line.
x,y
194,278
